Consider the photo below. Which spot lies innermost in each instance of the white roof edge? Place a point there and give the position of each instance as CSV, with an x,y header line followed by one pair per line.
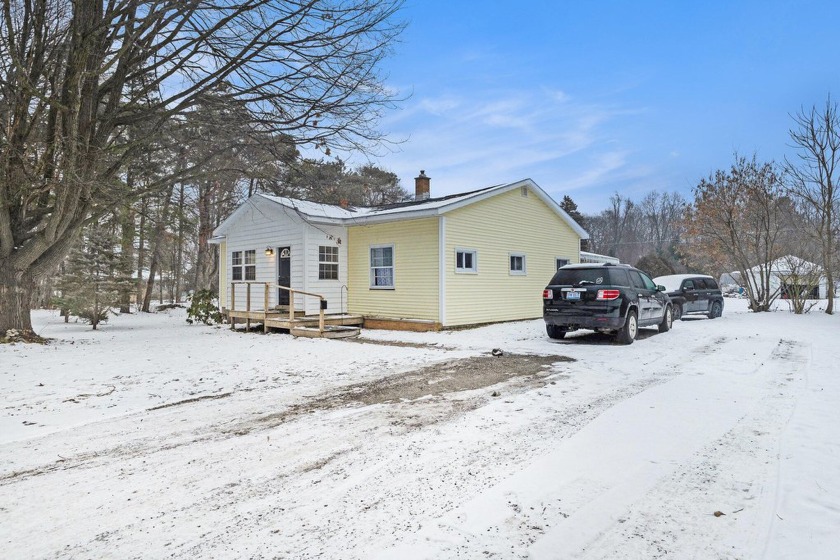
x,y
410,212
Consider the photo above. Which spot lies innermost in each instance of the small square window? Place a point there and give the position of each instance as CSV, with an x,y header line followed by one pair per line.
x,y
517,264
561,262
466,260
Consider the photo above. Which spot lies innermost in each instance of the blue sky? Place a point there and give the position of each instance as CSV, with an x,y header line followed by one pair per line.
x,y
592,98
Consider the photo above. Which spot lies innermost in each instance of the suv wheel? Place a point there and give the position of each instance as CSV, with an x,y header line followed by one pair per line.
x,y
555,332
667,320
716,310
627,333
677,312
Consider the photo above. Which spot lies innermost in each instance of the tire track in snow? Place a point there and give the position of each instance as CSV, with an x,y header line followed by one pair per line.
x,y
366,462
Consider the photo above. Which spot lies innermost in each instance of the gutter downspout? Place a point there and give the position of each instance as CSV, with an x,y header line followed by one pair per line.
x,y
442,270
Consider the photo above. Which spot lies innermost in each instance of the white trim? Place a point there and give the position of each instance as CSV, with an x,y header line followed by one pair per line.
x,y
336,262
442,270
393,285
431,208
524,271
474,253
305,242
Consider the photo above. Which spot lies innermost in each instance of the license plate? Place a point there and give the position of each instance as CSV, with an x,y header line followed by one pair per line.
x,y
572,295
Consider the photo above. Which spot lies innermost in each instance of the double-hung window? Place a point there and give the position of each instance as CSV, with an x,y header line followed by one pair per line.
x,y
517,264
382,267
243,265
327,263
466,260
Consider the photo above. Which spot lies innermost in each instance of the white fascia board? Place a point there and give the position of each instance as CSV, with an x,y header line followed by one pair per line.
x,y
255,201
221,229
563,214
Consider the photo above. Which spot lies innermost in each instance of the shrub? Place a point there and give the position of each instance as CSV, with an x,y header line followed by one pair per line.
x,y
203,308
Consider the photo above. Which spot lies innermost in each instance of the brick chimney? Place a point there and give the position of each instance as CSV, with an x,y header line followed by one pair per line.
x,y
421,186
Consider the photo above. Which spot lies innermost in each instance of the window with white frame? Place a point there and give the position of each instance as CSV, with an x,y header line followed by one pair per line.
x,y
561,262
382,267
327,263
517,263
466,260
243,265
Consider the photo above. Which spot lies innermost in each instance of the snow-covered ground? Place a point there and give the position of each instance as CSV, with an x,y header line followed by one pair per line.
x,y
152,438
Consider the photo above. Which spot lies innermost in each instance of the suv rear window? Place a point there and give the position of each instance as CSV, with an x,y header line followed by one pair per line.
x,y
706,283
598,276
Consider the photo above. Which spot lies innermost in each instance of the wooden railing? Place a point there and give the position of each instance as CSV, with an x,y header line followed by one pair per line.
x,y
268,286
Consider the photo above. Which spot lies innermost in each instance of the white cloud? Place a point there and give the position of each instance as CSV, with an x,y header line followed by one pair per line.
x,y
501,136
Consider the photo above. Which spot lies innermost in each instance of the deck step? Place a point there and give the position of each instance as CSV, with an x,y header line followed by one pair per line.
x,y
330,331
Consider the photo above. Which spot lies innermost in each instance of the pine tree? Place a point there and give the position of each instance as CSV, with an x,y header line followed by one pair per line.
x,y
91,284
570,207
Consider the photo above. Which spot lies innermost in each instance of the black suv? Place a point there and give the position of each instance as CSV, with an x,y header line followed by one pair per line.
x,y
693,293
610,298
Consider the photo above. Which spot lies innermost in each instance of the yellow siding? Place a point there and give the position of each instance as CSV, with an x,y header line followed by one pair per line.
x,y
416,263
495,228
223,276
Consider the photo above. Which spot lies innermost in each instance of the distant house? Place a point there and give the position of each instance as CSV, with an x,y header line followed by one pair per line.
x,y
475,257
786,274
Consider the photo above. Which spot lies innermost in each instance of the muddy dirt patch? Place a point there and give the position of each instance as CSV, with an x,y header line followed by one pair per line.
x,y
451,377
435,380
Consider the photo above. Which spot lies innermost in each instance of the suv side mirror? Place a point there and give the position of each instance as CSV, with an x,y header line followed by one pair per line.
x,y
661,288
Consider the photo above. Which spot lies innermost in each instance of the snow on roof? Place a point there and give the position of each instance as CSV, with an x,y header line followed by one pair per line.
x,y
332,211
351,215
315,209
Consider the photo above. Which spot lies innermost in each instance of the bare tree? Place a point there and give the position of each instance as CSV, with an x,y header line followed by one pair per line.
x,y
617,231
736,222
74,75
663,214
799,279
813,183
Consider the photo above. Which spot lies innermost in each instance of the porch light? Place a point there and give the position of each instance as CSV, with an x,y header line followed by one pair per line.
x,y
269,251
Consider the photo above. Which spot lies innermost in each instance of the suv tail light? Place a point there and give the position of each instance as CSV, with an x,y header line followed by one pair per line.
x,y
608,294
548,294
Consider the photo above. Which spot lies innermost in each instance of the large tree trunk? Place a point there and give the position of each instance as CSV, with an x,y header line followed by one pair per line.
x,y
204,261
15,299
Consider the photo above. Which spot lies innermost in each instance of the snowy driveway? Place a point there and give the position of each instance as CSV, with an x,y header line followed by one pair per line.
x,y
155,439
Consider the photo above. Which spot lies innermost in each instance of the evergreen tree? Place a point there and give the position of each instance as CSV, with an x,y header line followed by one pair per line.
x,y
570,207
92,284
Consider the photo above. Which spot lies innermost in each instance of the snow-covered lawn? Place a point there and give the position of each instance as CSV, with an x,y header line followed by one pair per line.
x,y
152,438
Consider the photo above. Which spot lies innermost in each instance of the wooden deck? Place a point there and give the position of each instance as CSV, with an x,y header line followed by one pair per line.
x,y
337,325
281,320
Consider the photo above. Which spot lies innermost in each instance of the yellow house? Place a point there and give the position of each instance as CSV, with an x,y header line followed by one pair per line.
x,y
477,257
